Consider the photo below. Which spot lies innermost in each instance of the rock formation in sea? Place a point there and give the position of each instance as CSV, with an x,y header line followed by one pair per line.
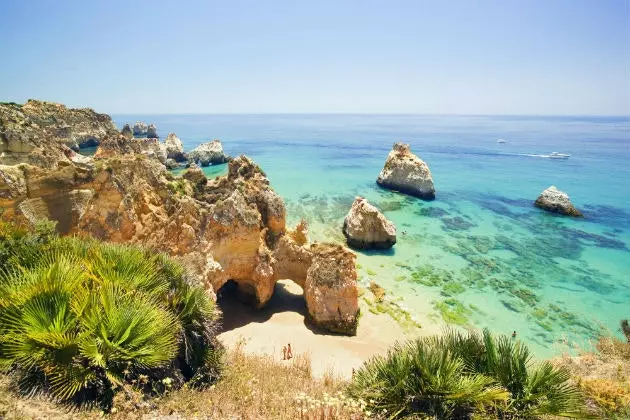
x,y
34,131
126,132
556,201
152,132
140,129
210,153
407,173
366,227
174,148
229,228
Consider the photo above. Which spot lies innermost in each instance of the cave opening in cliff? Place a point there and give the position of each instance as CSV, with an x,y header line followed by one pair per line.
x,y
237,303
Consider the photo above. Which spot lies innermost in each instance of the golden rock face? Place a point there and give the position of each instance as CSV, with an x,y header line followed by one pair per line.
x,y
229,228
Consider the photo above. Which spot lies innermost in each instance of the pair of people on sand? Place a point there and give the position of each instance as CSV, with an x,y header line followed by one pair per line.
x,y
287,353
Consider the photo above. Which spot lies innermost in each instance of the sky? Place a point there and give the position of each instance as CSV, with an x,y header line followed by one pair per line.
x,y
537,57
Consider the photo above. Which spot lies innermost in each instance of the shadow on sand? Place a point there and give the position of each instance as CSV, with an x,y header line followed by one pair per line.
x,y
236,313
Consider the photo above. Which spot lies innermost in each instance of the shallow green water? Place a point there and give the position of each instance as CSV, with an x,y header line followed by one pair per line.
x,y
480,254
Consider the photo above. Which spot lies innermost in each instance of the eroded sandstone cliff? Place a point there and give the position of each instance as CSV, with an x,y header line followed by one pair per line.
x,y
229,228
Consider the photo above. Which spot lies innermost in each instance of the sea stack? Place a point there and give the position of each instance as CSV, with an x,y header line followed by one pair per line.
x,y
152,131
174,148
407,173
556,201
365,227
126,132
210,153
139,129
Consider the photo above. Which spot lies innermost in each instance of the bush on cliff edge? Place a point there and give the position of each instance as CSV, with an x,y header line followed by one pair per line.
x,y
80,319
457,375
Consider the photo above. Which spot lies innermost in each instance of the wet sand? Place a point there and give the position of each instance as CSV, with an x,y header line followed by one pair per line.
x,y
283,320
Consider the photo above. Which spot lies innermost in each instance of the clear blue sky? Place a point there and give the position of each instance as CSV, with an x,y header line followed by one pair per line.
x,y
364,56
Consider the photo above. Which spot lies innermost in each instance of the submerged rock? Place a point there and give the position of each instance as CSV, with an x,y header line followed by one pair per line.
x,y
365,227
174,148
210,153
152,131
556,201
140,129
407,173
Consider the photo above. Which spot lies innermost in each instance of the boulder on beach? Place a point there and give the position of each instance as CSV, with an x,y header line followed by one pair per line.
x,y
139,129
556,201
210,153
407,173
152,131
174,148
365,227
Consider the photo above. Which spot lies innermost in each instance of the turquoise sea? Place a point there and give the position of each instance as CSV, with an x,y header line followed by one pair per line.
x,y
480,254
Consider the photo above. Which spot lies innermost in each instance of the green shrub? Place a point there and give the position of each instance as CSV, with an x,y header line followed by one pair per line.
x,y
454,375
80,318
421,378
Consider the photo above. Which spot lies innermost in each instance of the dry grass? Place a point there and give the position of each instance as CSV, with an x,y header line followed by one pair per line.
x,y
604,377
253,387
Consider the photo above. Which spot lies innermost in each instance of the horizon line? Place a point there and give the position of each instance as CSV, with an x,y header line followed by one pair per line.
x,y
377,113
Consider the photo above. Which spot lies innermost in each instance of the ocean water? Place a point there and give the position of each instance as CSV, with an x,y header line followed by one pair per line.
x,y
479,255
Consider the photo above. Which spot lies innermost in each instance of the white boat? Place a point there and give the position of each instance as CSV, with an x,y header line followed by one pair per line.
x,y
556,155
501,141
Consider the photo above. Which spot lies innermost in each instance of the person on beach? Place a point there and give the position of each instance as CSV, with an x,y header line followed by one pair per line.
x,y
284,352
289,351
514,334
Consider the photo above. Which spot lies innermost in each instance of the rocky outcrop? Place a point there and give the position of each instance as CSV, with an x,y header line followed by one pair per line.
x,y
140,129
126,132
232,227
365,227
210,153
171,164
174,148
152,131
330,289
407,173
121,145
41,133
556,201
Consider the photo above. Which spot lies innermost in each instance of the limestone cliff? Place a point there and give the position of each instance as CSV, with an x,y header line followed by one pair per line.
x,y
39,132
230,228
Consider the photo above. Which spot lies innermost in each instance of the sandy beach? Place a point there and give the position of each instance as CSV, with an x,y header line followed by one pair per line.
x,y
283,320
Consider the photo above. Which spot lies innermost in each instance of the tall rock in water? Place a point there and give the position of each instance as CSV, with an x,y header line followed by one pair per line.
x,y
126,132
174,148
407,173
556,201
210,153
232,227
152,132
365,227
140,129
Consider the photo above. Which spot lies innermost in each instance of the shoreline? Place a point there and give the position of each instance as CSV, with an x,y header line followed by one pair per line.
x,y
283,320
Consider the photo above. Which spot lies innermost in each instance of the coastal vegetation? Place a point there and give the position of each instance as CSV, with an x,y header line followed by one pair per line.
x,y
118,329
81,319
457,374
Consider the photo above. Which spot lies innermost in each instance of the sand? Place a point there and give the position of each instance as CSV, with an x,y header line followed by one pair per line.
x,y
282,321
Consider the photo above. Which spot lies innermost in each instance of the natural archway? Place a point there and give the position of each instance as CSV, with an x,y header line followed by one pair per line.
x,y
238,309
